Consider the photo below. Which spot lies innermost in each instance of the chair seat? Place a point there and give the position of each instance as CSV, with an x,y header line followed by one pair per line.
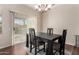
x,y
39,43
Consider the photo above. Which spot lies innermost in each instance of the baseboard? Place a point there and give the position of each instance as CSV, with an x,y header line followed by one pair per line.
x,y
70,45
10,45
5,46
19,43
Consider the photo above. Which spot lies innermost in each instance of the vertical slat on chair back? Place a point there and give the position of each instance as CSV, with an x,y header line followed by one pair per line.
x,y
63,38
50,31
32,34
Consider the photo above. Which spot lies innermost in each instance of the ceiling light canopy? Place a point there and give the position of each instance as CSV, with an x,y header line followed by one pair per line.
x,y
43,7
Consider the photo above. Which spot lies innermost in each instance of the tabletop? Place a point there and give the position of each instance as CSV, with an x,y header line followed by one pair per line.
x,y
47,36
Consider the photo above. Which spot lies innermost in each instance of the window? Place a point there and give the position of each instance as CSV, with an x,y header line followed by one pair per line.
x,y
19,21
19,25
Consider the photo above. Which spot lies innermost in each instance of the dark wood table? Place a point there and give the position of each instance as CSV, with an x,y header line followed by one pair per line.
x,y
49,39
46,38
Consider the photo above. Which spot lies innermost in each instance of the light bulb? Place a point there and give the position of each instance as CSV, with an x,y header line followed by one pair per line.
x,y
46,9
49,6
36,7
39,9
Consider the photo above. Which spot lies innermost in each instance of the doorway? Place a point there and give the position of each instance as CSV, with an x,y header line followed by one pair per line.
x,y
20,25
19,30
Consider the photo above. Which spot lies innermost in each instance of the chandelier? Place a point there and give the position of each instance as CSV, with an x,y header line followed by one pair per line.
x,y
43,7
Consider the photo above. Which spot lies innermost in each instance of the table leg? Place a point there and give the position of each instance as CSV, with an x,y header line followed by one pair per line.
x,y
49,49
35,46
60,51
27,40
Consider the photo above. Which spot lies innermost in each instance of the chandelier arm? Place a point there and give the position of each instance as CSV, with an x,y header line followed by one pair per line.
x,y
43,7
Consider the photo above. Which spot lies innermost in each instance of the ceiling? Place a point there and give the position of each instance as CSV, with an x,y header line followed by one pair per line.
x,y
31,5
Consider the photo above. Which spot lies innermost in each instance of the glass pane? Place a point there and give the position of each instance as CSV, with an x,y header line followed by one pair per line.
x,y
18,25
29,23
19,30
19,21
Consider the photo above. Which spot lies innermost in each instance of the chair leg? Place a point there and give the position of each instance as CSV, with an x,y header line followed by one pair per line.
x,y
63,52
38,48
35,50
44,47
60,52
30,47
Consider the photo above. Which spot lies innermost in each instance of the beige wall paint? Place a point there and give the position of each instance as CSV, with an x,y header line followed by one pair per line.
x,y
6,36
63,17
39,21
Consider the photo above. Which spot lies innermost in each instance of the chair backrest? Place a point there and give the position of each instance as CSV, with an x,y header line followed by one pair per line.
x,y
32,34
63,38
50,31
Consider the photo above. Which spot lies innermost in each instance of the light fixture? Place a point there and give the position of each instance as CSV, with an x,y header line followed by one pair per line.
x,y
43,7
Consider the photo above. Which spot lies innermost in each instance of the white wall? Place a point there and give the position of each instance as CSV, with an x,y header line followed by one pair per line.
x,y
6,35
63,17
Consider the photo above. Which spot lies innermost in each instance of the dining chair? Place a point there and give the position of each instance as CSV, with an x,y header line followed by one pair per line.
x,y
34,42
50,31
60,46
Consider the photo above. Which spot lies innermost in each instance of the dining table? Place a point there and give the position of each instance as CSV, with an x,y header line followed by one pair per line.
x,y
48,38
